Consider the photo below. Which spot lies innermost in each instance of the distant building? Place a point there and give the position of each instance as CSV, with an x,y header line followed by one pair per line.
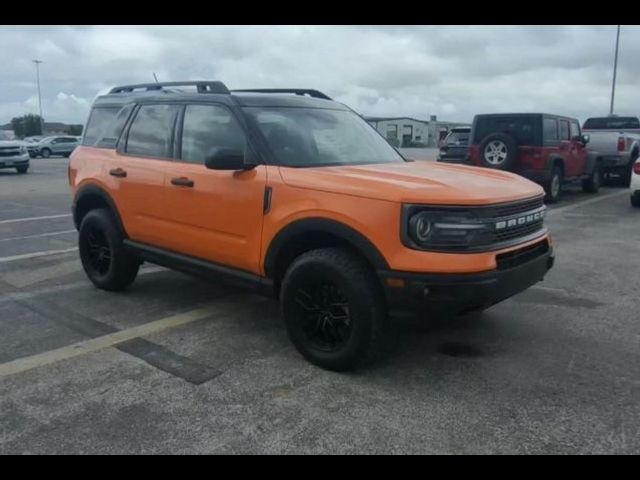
x,y
406,132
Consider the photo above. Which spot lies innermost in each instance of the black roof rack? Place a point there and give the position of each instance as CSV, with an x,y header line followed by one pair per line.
x,y
297,91
201,86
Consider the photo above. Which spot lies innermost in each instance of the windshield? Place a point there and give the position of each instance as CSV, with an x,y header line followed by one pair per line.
x,y
308,137
612,123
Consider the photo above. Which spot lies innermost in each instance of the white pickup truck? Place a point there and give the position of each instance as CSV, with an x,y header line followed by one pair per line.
x,y
616,142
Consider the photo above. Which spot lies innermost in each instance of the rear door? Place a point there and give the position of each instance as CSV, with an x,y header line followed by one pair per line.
x,y
215,215
137,172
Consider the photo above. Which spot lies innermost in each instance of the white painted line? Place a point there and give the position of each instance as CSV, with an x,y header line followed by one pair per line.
x,y
17,296
33,219
46,253
50,234
599,198
100,343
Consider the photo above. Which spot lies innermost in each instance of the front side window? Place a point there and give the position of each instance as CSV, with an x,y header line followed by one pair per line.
x,y
308,137
575,130
207,129
151,131
550,129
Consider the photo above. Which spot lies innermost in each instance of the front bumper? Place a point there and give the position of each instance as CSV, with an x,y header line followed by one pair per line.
x,y
13,162
454,294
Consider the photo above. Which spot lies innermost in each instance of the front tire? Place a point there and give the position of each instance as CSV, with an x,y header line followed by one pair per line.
x,y
104,258
45,153
333,309
553,188
592,184
22,170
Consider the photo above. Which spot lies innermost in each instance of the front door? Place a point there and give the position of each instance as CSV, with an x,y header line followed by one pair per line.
x,y
214,214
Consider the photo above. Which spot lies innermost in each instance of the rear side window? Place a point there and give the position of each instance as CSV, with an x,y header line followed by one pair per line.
x,y
550,129
151,131
208,128
522,128
612,123
564,130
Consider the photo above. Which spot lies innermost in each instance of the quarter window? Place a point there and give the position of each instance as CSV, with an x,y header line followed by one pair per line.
x,y
152,130
99,120
207,129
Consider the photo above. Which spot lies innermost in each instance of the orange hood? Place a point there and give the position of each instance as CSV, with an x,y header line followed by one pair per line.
x,y
417,182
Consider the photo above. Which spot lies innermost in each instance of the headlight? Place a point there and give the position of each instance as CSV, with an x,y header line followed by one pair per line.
x,y
468,229
23,150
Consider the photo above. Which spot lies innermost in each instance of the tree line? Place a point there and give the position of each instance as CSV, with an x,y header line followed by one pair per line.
x,y
30,125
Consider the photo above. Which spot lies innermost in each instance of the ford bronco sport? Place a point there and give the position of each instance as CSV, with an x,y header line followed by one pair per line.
x,y
297,196
547,149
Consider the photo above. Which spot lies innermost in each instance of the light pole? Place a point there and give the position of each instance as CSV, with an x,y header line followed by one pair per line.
x,y
38,62
615,71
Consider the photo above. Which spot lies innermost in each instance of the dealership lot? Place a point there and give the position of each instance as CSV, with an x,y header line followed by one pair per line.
x,y
178,365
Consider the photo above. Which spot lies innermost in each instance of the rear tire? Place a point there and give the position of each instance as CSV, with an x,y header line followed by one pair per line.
x,y
22,170
333,309
592,184
553,188
635,200
104,258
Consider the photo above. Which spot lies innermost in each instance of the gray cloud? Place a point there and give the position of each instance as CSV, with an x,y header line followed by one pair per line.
x,y
449,71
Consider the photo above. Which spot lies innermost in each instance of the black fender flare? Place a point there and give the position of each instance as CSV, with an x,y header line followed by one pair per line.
x,y
552,159
321,225
95,191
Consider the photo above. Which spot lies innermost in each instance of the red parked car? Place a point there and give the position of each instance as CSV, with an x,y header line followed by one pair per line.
x,y
547,149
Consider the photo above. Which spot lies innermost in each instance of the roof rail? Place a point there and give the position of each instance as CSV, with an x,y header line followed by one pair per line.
x,y
297,91
201,86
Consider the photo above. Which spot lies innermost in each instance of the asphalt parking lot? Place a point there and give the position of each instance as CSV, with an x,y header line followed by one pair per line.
x,y
178,365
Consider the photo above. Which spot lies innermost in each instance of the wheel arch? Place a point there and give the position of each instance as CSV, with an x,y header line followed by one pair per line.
x,y
308,234
556,161
90,197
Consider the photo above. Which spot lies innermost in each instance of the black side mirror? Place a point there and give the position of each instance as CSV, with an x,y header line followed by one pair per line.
x,y
584,139
227,159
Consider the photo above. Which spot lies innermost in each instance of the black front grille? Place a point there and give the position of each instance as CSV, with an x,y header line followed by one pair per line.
x,y
521,256
518,231
9,152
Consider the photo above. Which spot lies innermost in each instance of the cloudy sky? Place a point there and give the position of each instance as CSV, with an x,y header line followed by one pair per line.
x,y
451,72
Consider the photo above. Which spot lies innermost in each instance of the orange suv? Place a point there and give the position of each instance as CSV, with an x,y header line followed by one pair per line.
x,y
295,195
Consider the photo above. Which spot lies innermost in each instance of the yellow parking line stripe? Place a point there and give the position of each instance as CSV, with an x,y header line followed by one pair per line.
x,y
93,345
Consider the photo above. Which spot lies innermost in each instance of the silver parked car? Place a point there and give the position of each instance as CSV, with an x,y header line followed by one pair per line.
x,y
62,145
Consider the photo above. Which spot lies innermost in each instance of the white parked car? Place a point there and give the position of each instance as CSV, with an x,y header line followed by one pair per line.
x,y
635,184
13,154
